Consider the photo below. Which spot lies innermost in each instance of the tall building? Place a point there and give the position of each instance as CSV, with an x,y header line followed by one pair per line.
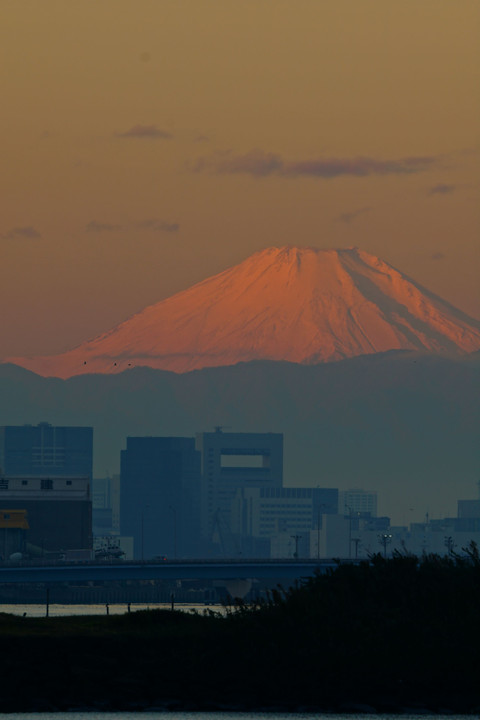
x,y
47,471
160,496
232,461
468,509
46,450
355,501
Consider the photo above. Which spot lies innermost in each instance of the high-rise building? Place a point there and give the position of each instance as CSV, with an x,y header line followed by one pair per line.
x,y
46,450
232,461
160,496
355,501
47,471
468,509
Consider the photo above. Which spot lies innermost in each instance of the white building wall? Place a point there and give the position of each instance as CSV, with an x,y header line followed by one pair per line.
x,y
335,535
357,501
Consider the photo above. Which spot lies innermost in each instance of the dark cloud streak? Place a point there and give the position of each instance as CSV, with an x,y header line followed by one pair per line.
x,y
151,225
28,232
158,226
258,163
98,227
348,217
441,189
147,132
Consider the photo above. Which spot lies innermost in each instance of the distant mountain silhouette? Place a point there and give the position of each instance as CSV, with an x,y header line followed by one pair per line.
x,y
403,423
301,305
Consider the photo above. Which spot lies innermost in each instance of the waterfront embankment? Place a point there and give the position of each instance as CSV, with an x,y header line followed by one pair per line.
x,y
382,636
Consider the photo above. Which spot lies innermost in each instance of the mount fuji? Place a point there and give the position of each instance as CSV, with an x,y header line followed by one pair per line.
x,y
301,305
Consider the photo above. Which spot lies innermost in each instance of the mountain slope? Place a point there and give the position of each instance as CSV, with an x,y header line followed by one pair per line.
x,y
300,305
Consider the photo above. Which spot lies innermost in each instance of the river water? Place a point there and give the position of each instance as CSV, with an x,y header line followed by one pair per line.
x,y
57,610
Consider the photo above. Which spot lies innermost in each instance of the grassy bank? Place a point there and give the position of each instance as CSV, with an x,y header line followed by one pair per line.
x,y
388,635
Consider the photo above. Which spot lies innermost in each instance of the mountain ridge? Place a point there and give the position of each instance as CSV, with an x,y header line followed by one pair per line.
x,y
302,305
402,423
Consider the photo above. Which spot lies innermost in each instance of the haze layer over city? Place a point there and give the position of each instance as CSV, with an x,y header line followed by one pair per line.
x,y
217,215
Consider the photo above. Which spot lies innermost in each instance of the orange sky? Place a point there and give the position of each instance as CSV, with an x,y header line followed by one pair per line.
x,y
149,144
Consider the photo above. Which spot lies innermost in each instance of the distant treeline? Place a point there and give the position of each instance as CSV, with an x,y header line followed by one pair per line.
x,y
387,635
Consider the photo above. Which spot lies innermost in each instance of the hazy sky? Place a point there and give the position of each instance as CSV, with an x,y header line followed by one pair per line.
x,y
148,144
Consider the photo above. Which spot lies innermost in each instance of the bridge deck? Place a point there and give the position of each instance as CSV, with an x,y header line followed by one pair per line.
x,y
182,570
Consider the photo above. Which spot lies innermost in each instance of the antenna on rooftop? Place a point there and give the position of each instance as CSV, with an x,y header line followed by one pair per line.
x,y
220,428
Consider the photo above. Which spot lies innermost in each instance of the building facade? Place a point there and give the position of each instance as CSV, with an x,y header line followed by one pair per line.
x,y
357,501
47,471
106,505
234,461
284,516
13,533
160,496
46,450
58,510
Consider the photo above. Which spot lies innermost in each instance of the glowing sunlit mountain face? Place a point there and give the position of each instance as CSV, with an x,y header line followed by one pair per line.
x,y
301,305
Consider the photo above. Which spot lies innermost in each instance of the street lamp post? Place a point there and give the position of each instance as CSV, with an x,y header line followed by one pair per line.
x,y
385,539
319,514
296,538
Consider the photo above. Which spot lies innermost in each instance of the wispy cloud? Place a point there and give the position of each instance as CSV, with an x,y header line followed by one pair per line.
x,y
150,225
156,225
437,256
28,232
258,163
441,189
147,132
348,217
99,227
358,167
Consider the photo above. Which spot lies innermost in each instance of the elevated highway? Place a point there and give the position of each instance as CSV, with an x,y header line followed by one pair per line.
x,y
286,570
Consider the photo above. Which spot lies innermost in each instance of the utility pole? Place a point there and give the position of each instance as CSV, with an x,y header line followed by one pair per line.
x,y
174,511
144,509
318,534
356,542
350,513
296,538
